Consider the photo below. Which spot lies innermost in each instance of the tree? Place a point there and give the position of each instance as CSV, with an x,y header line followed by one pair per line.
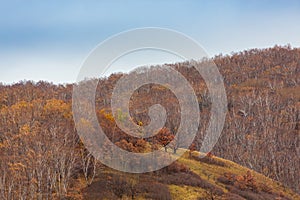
x,y
164,137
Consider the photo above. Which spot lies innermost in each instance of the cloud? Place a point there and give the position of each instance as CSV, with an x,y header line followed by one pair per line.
x,y
37,37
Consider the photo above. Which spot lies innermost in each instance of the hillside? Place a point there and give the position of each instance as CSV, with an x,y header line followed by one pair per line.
x,y
42,157
190,178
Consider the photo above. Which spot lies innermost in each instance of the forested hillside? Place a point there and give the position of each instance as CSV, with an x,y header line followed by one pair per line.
x,y
41,156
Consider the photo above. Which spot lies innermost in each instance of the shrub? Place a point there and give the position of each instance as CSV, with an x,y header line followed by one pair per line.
x,y
210,159
119,186
175,167
265,188
154,190
225,180
246,182
210,194
249,195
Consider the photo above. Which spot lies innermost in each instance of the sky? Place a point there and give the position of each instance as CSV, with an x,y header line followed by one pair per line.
x,y
49,40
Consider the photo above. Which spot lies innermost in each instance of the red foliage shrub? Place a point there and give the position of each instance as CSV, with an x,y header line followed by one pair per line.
x,y
175,167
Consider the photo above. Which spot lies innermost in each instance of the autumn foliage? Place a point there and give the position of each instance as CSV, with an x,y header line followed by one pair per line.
x,y
41,154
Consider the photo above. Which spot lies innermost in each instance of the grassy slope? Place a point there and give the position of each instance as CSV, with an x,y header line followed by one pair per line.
x,y
154,185
211,172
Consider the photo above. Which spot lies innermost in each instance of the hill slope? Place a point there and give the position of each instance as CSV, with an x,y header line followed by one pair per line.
x,y
188,178
261,132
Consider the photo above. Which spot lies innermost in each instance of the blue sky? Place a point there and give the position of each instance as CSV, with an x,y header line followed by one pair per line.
x,y
48,40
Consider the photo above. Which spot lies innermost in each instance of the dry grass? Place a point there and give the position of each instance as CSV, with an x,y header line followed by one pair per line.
x,y
174,185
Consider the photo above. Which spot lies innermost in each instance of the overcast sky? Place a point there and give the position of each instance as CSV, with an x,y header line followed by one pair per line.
x,y
42,40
